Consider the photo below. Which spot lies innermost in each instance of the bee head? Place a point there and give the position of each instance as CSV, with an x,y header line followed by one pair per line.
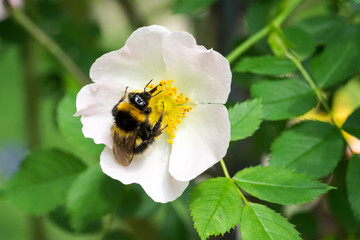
x,y
141,99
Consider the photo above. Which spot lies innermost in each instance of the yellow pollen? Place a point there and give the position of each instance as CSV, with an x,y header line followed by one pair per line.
x,y
175,107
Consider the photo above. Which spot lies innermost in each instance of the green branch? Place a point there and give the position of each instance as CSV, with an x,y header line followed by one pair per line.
x,y
317,91
48,43
226,173
264,31
311,82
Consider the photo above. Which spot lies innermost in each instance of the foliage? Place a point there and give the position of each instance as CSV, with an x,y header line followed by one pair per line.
x,y
260,222
293,58
216,206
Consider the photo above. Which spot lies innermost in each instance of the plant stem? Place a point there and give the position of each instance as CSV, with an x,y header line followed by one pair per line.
x,y
311,82
226,173
242,196
49,44
248,43
264,31
31,118
317,91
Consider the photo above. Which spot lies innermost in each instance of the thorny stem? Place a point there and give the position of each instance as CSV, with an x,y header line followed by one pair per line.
x,y
48,43
264,31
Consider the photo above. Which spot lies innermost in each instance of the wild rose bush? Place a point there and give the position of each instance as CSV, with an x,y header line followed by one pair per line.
x,y
275,165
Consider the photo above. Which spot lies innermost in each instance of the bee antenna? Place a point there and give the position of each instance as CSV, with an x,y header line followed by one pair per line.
x,y
147,84
157,93
154,89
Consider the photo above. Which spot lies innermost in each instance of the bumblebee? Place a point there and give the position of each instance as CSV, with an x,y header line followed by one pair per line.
x,y
132,132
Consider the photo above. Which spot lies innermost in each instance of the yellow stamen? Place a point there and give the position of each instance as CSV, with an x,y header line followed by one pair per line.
x,y
175,107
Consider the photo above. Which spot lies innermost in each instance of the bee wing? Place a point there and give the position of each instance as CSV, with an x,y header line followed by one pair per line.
x,y
123,149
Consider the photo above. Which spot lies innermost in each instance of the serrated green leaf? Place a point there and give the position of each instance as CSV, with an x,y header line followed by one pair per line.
x,y
267,65
245,119
259,222
92,195
340,59
71,126
311,147
352,184
43,180
216,206
191,6
279,185
284,99
352,124
302,43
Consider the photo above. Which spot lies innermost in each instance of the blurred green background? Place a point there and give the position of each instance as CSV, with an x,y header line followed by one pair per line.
x,y
37,97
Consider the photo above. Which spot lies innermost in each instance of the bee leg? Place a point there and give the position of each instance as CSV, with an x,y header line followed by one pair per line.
x,y
115,110
156,131
141,147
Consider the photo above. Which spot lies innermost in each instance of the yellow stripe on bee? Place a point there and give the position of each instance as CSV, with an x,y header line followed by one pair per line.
x,y
133,111
116,130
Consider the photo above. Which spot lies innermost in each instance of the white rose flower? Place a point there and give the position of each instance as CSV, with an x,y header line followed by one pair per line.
x,y
195,83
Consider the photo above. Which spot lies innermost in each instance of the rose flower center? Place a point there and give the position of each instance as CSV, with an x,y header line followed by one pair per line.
x,y
175,107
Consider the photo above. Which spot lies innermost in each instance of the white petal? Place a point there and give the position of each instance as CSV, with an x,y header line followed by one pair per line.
x,y
202,75
202,139
139,61
14,3
150,170
94,103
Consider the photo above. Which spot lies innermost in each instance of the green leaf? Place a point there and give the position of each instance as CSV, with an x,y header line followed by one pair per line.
x,y
311,147
279,185
338,200
259,222
323,28
283,99
216,206
340,59
302,43
60,217
352,124
91,196
191,6
257,15
71,126
245,119
352,184
43,180
267,65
